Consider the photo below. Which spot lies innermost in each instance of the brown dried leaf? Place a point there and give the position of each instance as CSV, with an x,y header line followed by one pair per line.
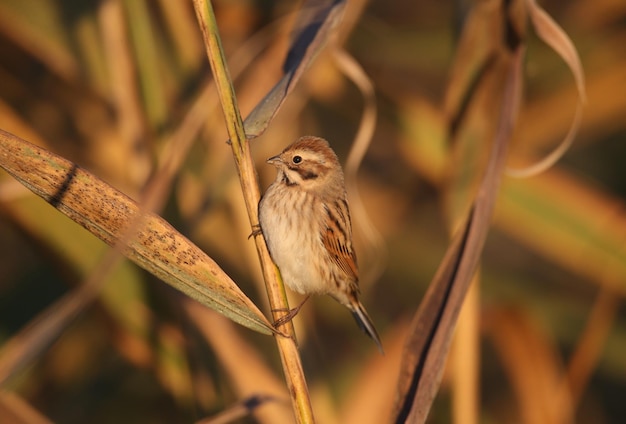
x,y
317,22
433,324
145,238
374,251
555,37
552,34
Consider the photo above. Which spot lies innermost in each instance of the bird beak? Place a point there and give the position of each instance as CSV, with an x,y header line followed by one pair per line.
x,y
274,160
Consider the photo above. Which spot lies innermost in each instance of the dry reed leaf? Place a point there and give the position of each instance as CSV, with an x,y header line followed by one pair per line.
x,y
374,253
317,22
108,214
292,366
472,95
48,325
79,251
603,117
557,39
433,324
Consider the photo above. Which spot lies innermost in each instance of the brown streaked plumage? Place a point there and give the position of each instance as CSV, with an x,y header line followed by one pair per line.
x,y
305,220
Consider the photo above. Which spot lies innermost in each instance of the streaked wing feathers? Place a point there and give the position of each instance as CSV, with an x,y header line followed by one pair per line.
x,y
339,251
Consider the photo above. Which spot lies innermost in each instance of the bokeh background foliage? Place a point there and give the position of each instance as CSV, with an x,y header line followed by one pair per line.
x,y
116,85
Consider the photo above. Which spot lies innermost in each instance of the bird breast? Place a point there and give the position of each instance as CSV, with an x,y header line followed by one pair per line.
x,y
284,214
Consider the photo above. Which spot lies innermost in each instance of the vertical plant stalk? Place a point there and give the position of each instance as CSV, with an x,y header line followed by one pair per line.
x,y
287,347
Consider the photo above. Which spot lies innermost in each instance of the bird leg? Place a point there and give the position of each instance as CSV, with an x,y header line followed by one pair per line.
x,y
291,313
256,231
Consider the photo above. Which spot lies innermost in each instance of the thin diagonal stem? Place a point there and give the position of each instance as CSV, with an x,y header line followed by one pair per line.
x,y
290,358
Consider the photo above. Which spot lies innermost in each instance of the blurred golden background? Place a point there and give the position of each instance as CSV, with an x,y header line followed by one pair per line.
x,y
117,85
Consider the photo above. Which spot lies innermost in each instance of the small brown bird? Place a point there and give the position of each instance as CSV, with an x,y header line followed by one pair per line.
x,y
306,223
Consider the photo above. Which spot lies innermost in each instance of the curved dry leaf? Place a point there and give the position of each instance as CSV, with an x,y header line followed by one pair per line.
x,y
145,238
348,65
317,21
376,254
553,157
554,36
433,324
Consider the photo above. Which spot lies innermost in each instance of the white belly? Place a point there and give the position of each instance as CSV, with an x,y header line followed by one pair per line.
x,y
294,248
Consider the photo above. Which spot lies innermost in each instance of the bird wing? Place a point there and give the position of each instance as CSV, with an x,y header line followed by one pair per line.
x,y
340,250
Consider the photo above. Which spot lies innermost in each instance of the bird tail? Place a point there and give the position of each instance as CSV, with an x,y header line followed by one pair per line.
x,y
365,323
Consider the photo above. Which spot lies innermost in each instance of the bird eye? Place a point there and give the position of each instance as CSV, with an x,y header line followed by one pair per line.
x,y
297,159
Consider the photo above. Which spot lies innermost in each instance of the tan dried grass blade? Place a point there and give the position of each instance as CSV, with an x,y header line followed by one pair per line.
x,y
147,239
375,253
316,24
552,34
292,366
234,124
433,324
